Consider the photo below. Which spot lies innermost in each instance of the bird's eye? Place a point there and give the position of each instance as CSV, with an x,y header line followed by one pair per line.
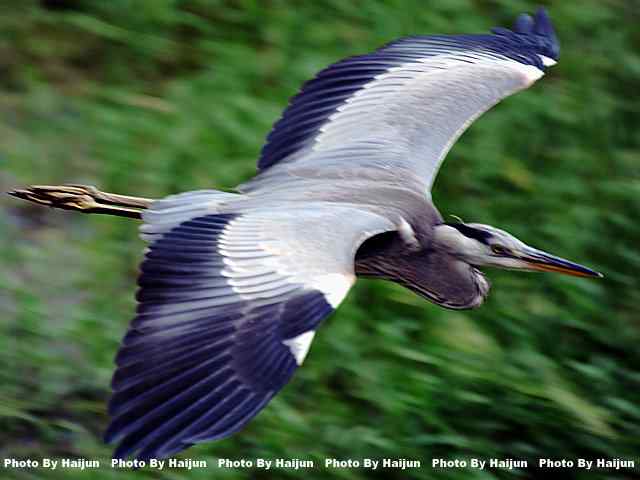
x,y
499,250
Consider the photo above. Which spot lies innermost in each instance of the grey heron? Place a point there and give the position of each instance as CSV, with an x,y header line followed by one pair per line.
x,y
234,286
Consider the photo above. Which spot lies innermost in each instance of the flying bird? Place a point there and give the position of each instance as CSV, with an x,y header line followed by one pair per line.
x,y
234,286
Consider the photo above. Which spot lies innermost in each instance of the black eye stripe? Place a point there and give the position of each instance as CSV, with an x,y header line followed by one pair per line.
x,y
467,231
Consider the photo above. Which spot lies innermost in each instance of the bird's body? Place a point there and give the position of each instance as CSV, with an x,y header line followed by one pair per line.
x,y
234,285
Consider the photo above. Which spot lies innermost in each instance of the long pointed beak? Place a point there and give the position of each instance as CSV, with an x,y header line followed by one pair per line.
x,y
542,261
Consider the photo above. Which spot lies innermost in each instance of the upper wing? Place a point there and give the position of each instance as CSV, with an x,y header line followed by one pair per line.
x,y
228,306
397,112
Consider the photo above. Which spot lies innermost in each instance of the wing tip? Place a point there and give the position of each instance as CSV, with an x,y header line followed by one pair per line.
x,y
535,32
544,28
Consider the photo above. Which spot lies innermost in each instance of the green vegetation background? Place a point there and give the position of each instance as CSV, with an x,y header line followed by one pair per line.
x,y
154,97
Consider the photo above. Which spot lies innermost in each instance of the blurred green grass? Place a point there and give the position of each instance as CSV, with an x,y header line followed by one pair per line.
x,y
156,97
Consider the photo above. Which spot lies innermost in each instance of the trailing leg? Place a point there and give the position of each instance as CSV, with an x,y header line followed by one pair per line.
x,y
85,199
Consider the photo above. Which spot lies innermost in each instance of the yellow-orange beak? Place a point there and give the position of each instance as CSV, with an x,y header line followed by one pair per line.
x,y
541,261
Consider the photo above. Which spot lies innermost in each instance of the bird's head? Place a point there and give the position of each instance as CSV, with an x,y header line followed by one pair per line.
x,y
480,245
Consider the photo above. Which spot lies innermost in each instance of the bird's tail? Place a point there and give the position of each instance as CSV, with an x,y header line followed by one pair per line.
x,y
85,199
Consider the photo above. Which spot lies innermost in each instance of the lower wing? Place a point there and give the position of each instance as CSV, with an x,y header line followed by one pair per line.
x,y
228,307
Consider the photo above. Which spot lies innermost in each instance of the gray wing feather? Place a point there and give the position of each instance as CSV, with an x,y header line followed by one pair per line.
x,y
307,238
397,111
400,126
166,213
228,306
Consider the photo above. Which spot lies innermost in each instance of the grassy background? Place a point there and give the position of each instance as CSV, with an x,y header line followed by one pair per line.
x,y
152,97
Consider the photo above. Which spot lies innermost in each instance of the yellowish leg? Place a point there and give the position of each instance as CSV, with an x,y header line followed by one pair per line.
x,y
82,198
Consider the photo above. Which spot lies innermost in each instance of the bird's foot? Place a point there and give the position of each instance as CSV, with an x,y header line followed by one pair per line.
x,y
82,198
68,197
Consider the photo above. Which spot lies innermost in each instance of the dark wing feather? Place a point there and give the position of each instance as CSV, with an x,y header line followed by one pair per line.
x,y
189,374
228,305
